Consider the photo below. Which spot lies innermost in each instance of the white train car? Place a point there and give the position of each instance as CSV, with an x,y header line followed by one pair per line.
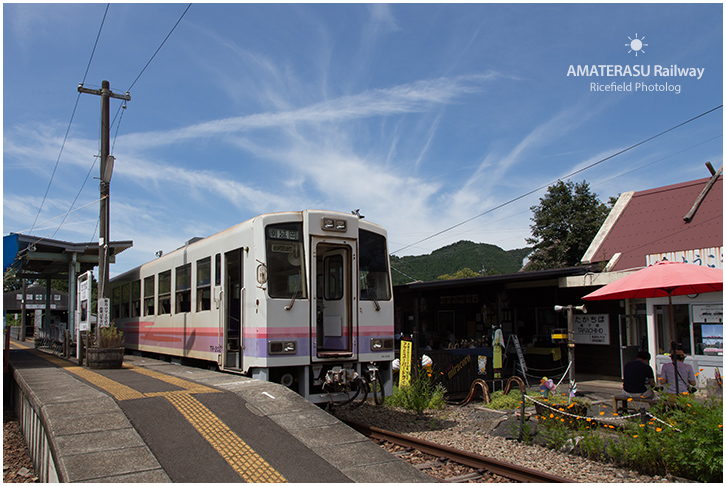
x,y
299,298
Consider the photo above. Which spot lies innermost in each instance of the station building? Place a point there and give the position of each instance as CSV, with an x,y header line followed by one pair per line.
x,y
681,222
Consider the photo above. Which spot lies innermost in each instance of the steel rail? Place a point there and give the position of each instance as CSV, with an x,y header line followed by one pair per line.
x,y
511,471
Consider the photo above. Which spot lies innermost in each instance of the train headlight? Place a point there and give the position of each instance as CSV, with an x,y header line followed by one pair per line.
x,y
379,344
282,347
330,224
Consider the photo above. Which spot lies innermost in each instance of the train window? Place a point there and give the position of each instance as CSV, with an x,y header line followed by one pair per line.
x,y
136,298
218,269
149,296
285,261
116,303
184,288
204,289
165,292
373,267
125,300
334,280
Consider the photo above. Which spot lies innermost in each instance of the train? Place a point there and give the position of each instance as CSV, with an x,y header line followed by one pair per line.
x,y
300,298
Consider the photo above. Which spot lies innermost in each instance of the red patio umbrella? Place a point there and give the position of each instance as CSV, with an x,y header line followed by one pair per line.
x,y
663,279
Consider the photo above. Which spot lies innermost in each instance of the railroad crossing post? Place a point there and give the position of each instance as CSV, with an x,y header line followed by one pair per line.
x,y
106,169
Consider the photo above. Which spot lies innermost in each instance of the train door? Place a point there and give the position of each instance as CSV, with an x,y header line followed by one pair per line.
x,y
233,309
334,326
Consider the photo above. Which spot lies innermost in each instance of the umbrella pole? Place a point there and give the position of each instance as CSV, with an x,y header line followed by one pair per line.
x,y
674,341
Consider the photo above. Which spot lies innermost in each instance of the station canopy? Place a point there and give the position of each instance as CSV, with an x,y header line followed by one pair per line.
x,y
41,258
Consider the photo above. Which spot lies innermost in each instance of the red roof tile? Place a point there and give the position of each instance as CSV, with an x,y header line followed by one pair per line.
x,y
652,222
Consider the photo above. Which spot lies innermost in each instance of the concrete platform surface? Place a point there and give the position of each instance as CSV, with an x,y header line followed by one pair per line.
x,y
154,421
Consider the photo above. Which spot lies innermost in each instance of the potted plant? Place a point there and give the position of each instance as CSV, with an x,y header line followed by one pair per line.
x,y
108,352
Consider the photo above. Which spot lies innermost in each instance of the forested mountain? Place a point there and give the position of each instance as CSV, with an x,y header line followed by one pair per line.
x,y
454,258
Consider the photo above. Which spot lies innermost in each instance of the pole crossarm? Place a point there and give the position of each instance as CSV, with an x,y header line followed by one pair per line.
x,y
100,92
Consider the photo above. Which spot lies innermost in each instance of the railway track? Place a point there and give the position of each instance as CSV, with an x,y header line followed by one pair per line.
x,y
480,468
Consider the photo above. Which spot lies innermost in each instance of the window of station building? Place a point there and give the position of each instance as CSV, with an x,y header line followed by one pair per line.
x,y
184,288
165,292
149,296
136,298
204,287
707,321
683,328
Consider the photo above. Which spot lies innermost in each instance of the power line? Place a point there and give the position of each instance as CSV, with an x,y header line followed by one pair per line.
x,y
565,177
70,123
160,46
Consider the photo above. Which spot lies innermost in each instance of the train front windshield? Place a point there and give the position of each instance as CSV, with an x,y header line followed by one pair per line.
x,y
373,262
285,262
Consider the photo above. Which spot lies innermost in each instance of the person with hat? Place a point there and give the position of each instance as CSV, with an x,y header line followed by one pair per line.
x,y
638,377
677,370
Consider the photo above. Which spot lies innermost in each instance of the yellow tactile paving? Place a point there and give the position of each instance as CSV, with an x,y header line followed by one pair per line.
x,y
248,464
117,390
240,456
188,386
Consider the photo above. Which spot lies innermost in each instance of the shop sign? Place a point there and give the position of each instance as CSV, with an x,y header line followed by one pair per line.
x,y
592,329
705,257
707,313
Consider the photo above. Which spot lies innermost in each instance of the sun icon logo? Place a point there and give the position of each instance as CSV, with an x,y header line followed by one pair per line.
x,y
636,45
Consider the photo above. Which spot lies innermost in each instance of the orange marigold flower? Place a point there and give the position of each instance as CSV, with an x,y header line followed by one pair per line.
x,y
602,413
658,429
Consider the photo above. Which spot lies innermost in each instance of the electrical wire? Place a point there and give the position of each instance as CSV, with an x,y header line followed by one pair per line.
x,y
70,123
565,177
160,46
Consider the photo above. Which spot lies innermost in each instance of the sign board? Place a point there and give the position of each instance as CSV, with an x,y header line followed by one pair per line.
x,y
707,313
592,329
405,366
103,312
705,257
83,299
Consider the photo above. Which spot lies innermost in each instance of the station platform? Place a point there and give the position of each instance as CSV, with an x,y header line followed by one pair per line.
x,y
155,421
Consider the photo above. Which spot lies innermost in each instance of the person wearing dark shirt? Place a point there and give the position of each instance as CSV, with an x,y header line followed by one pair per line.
x,y
638,377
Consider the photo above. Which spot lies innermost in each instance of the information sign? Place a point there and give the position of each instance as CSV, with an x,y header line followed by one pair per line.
x,y
83,300
707,313
592,329
103,312
405,360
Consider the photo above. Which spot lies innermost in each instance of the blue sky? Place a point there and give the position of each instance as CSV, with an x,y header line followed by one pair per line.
x,y
421,115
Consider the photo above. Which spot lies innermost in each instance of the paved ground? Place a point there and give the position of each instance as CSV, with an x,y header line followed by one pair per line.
x,y
154,421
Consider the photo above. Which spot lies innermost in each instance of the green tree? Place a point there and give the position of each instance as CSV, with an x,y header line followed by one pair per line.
x,y
565,222
463,273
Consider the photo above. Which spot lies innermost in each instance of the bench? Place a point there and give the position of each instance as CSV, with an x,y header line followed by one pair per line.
x,y
620,402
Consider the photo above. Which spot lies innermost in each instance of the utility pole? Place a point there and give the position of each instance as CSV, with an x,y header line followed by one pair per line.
x,y
106,170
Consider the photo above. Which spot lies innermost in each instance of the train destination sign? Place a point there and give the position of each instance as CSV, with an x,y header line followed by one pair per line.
x,y
283,234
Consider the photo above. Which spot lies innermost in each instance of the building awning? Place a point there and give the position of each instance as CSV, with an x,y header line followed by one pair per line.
x,y
37,257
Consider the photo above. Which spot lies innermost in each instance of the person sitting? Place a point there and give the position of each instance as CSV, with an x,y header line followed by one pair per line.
x,y
638,377
683,373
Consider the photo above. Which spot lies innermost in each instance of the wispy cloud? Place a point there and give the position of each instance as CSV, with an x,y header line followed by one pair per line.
x,y
409,98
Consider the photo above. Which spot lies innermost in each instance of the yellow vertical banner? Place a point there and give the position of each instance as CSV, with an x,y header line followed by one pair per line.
x,y
405,366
